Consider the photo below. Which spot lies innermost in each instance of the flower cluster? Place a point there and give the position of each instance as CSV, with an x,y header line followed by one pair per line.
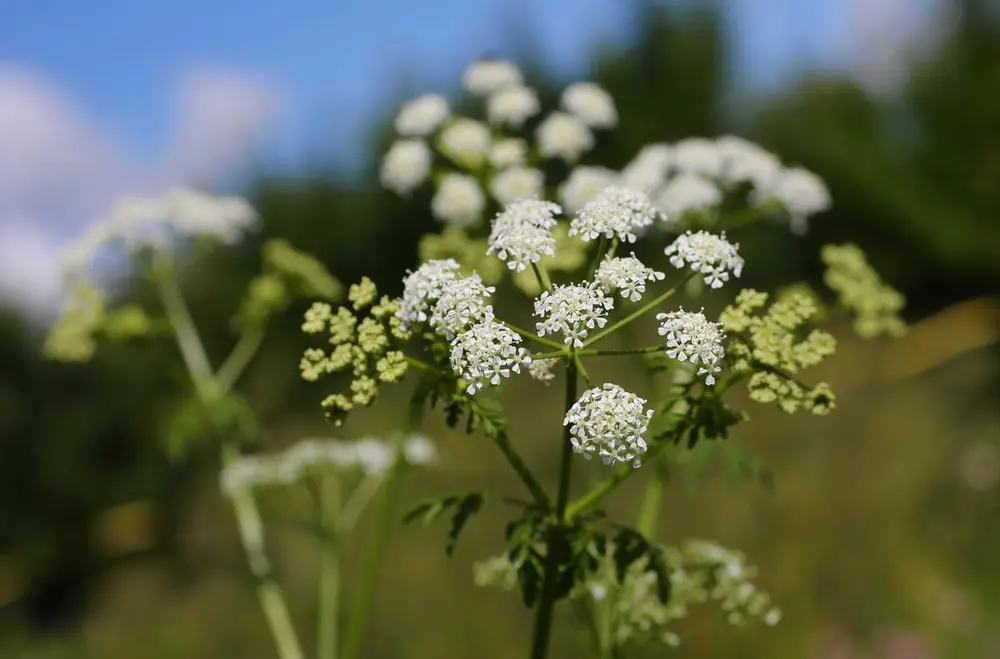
x,y
522,233
707,254
572,310
615,212
875,304
487,352
626,274
693,338
609,422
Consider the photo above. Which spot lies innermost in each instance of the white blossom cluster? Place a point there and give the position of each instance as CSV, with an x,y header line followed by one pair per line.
x,y
583,184
423,287
626,274
707,254
517,182
609,422
693,338
687,192
406,165
459,200
461,302
801,192
369,455
615,212
521,234
572,310
487,352
422,116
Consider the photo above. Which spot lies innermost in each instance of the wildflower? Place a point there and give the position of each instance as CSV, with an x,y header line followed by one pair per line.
x,y
708,254
459,200
419,450
648,170
582,185
693,338
687,192
486,352
801,192
488,75
875,304
591,103
609,422
521,233
517,183
564,136
460,303
541,370
465,141
421,117
614,213
697,155
508,152
626,274
406,166
746,161
512,106
572,310
422,288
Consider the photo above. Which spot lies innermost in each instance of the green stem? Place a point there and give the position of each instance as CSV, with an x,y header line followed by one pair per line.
x,y
547,603
615,352
591,498
238,360
531,336
582,370
418,364
542,275
186,334
357,502
649,513
602,248
638,312
522,470
749,215
328,619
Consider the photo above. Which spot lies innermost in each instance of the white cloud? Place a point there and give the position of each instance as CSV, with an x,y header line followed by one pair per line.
x,y
62,168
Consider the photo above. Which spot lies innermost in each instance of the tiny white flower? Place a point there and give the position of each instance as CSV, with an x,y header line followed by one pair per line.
x,y
459,200
648,170
487,352
488,75
687,192
508,152
572,310
466,141
609,422
461,302
421,116
373,456
698,155
541,370
708,254
512,106
693,338
615,212
521,233
422,288
582,185
419,450
565,136
592,103
800,191
745,161
406,165
626,274
517,182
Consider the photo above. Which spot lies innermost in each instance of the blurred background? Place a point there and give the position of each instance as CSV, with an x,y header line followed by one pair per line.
x,y
879,539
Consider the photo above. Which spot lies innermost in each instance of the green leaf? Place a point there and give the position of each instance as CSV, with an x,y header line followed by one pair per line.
x,y
463,506
631,546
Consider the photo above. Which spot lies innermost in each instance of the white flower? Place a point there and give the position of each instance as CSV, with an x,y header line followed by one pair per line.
x,y
801,192
564,136
193,213
521,233
459,200
583,184
488,75
648,170
422,116
687,192
572,310
693,338
746,161
406,165
626,274
419,450
541,370
697,155
466,141
487,352
512,106
373,456
711,255
517,183
614,213
591,103
609,422
423,287
461,302
508,152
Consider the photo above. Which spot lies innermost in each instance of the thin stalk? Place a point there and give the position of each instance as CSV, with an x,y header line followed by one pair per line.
x,y
186,334
328,613
602,248
547,603
418,364
748,215
531,336
617,352
590,499
638,312
582,370
238,360
542,275
522,470
649,512
357,502
550,355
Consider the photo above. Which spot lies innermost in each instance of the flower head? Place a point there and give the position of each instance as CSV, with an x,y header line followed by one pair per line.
x,y
572,310
459,200
711,255
564,136
489,75
517,182
693,338
746,161
422,116
609,422
461,302
615,212
406,165
626,274
521,234
512,106
419,450
582,185
466,141
422,288
541,370
591,103
800,191
687,192
697,155
486,352
508,152
649,168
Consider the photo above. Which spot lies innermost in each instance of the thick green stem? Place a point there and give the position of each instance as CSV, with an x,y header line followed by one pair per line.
x,y
638,312
649,513
547,603
328,611
186,334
